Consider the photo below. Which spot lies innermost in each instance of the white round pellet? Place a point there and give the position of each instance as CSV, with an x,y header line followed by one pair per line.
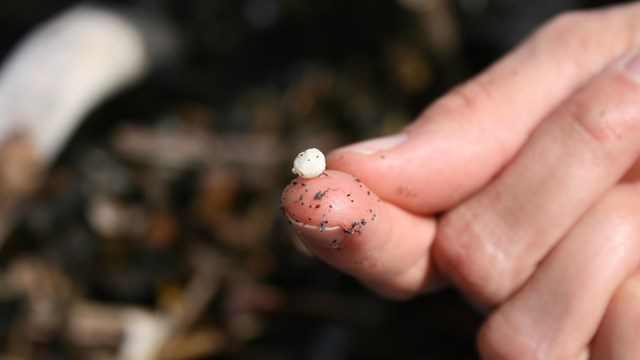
x,y
309,163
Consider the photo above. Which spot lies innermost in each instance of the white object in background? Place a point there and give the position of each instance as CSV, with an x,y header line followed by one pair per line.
x,y
144,334
309,163
56,76
63,70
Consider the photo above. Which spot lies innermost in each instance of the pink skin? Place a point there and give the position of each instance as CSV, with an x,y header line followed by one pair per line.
x,y
382,251
523,165
319,205
617,337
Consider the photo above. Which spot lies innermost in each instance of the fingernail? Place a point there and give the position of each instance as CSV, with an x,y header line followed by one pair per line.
x,y
327,210
633,64
373,146
314,236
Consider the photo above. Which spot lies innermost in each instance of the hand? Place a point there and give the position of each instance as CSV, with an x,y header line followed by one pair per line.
x,y
527,163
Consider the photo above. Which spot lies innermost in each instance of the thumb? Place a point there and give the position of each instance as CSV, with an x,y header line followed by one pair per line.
x,y
345,224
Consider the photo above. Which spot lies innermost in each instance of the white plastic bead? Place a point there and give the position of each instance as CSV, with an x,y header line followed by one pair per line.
x,y
309,163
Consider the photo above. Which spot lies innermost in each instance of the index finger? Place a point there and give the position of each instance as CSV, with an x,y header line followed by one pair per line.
x,y
459,143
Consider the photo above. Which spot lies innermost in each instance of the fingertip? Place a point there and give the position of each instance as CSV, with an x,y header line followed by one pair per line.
x,y
417,171
329,209
340,220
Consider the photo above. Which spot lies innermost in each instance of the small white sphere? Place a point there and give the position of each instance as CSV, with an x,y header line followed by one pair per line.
x,y
309,163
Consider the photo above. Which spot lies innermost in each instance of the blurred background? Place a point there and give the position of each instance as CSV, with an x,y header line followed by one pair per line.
x,y
154,230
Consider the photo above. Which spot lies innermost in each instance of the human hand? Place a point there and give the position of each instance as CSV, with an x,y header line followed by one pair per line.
x,y
527,162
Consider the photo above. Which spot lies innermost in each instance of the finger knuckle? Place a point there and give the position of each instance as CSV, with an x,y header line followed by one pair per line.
x,y
599,123
463,253
553,34
568,22
503,338
467,100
